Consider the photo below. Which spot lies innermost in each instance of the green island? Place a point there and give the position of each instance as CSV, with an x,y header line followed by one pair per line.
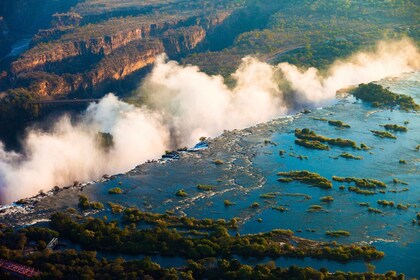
x,y
350,156
312,144
399,191
338,123
136,216
383,134
337,233
365,147
382,97
308,178
205,187
218,161
305,196
115,208
100,235
386,203
268,195
360,191
116,190
320,119
360,182
228,203
301,157
255,205
85,204
395,127
307,134
398,181
315,209
181,193
374,210
402,161
402,206
54,264
327,199
279,208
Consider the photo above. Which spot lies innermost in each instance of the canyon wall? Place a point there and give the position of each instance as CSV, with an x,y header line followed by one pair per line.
x,y
45,71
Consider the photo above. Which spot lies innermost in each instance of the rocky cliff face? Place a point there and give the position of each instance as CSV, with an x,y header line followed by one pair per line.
x,y
83,49
42,69
41,55
182,40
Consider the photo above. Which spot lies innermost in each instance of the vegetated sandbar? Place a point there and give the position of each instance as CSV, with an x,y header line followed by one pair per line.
x,y
308,178
163,237
361,182
382,97
308,134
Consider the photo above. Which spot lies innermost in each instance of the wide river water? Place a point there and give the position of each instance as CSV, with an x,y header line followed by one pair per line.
x,y
251,162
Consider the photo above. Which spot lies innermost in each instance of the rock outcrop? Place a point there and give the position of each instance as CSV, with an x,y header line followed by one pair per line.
x,y
65,48
45,68
90,43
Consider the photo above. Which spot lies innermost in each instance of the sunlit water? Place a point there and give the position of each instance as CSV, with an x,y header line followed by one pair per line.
x,y
250,168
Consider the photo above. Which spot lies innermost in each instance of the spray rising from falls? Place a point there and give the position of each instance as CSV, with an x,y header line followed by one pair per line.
x,y
181,105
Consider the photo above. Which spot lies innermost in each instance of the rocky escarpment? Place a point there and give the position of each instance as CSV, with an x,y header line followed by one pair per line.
x,y
116,66
42,54
83,58
181,40
84,50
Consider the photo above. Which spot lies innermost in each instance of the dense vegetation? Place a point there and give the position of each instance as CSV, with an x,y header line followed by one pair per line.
x,y
312,144
350,156
338,123
315,33
308,178
310,135
72,264
361,182
395,127
379,96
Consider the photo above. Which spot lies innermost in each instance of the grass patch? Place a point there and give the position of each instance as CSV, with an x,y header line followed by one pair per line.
x,y
116,190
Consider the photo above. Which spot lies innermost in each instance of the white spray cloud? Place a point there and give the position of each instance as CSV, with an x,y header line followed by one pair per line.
x,y
70,152
195,104
182,104
389,59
